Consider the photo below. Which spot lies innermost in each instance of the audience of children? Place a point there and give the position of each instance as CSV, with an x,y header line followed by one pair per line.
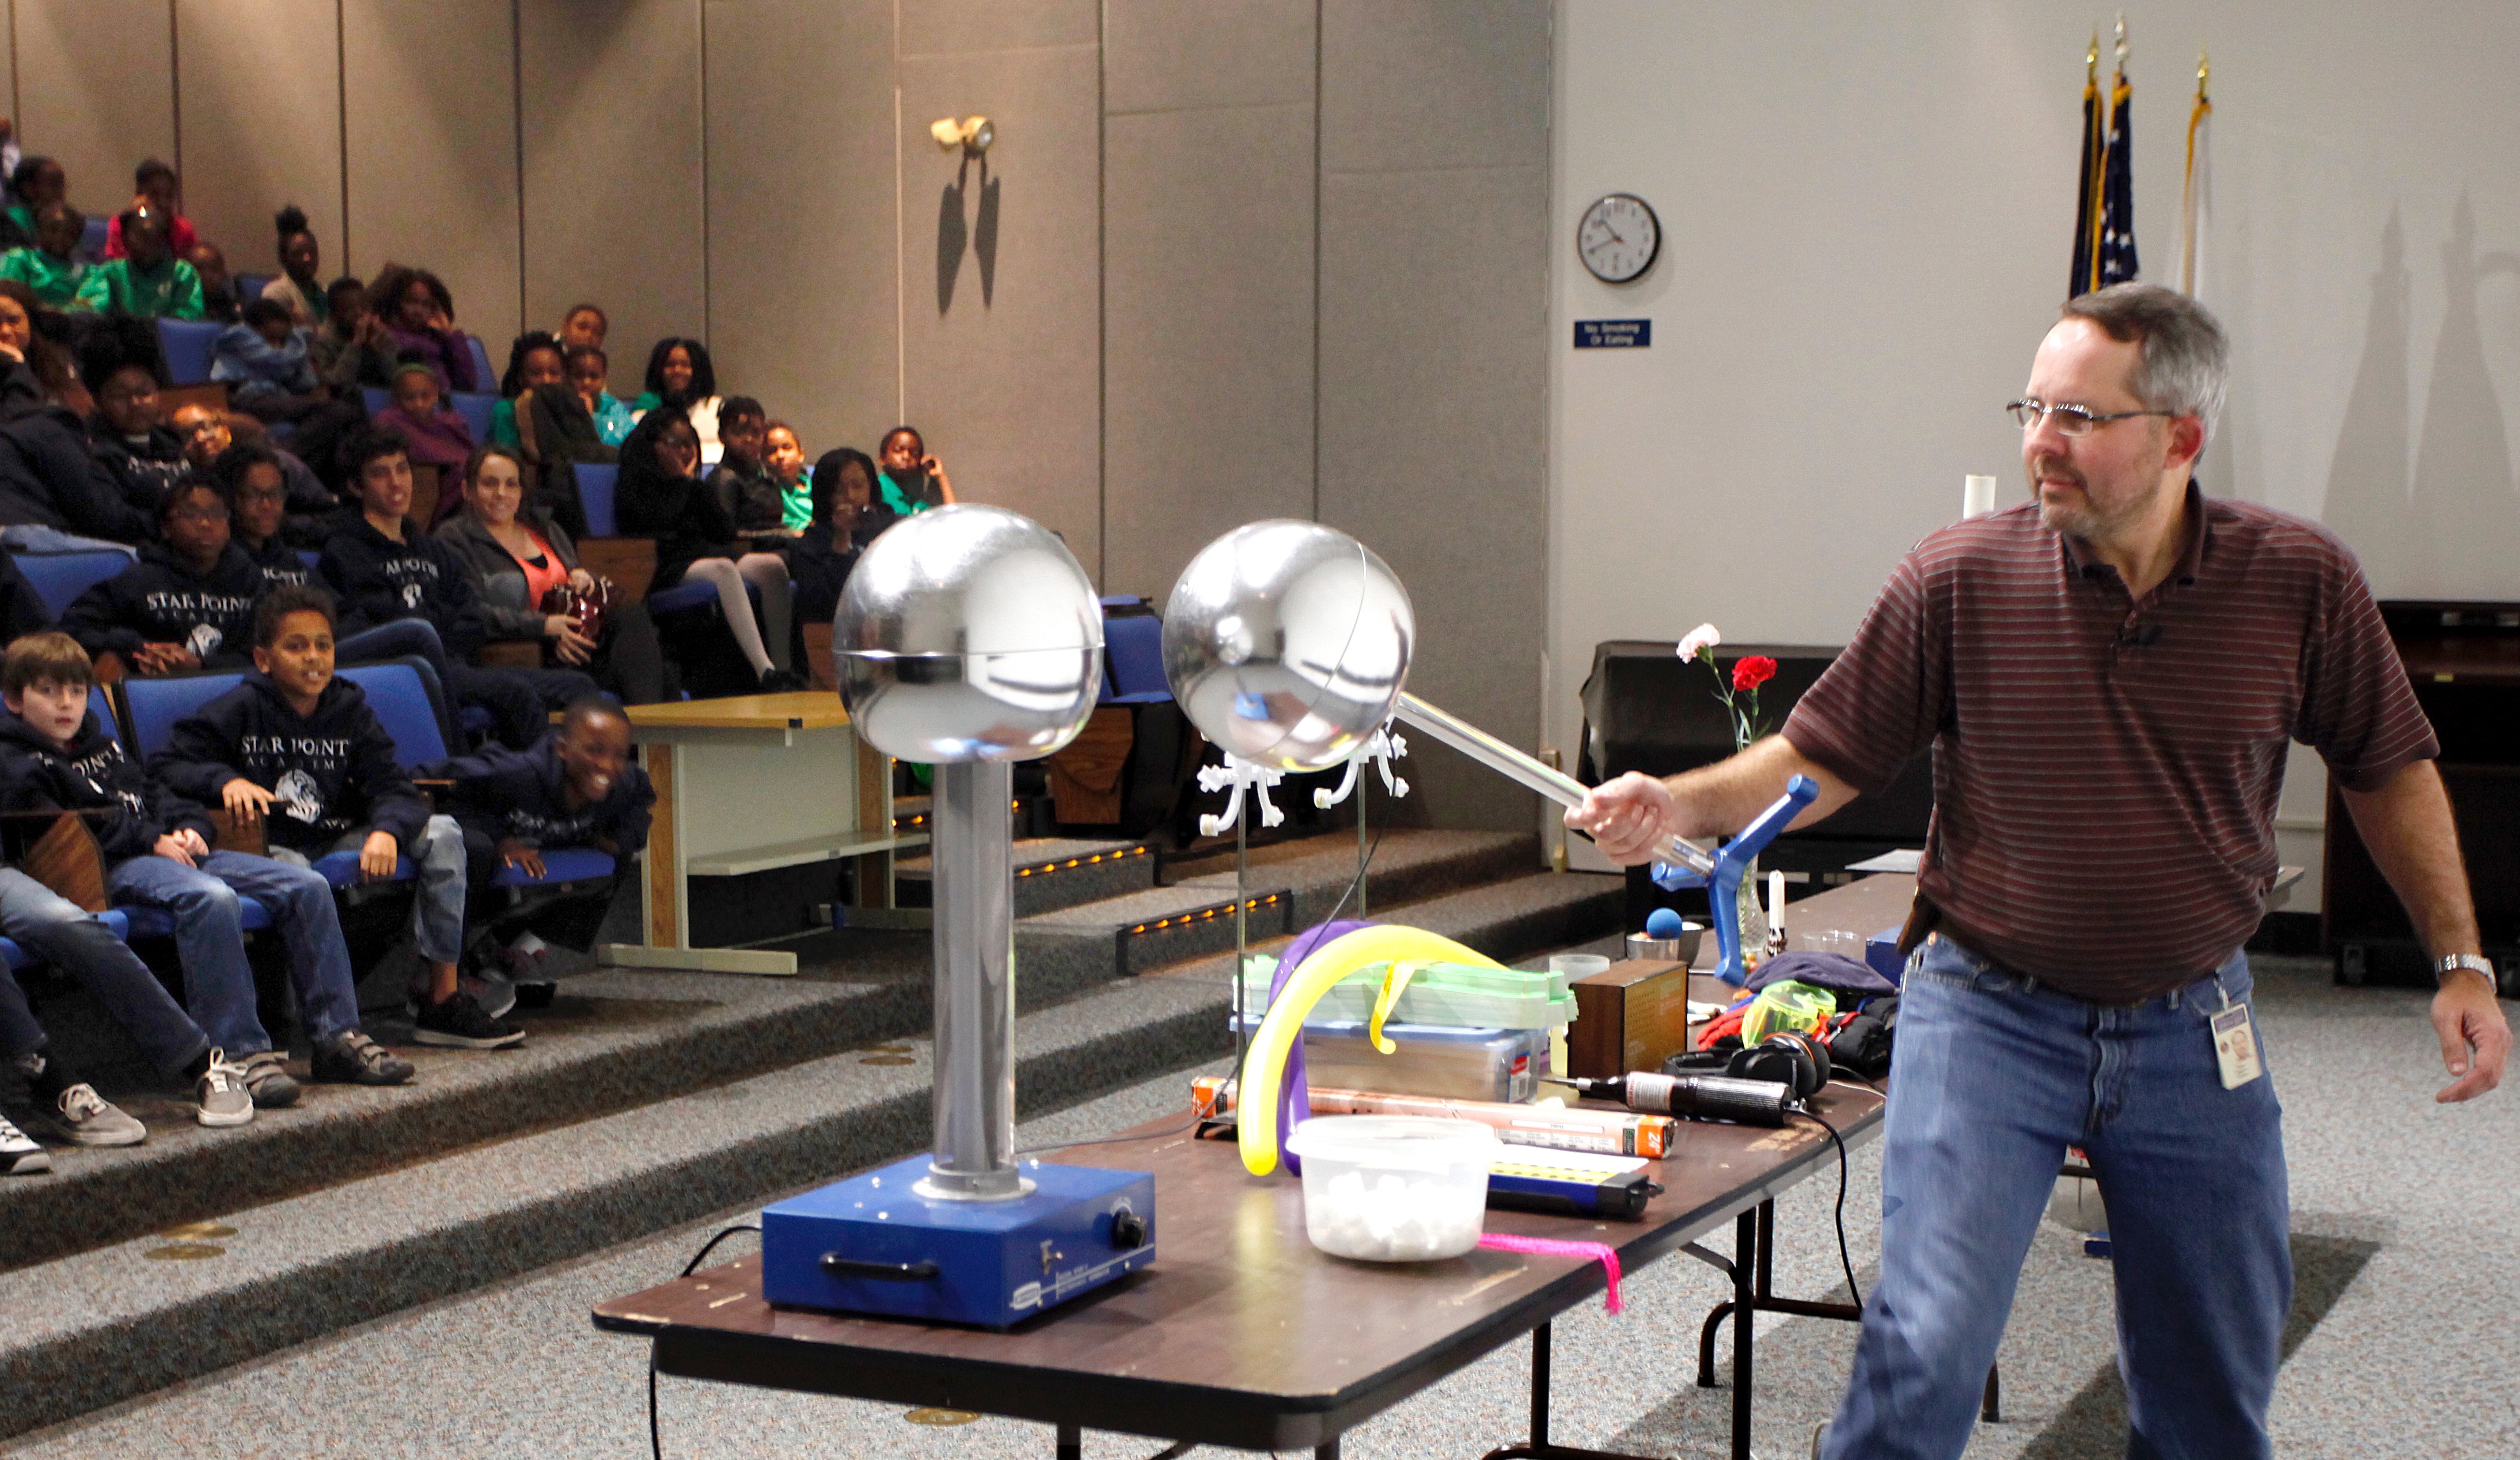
x,y
299,288
419,316
219,303
752,498
149,278
157,853
579,421
435,432
136,449
155,188
258,495
295,748
384,570
911,478
533,360
584,324
188,603
842,521
35,183
519,558
351,350
576,787
660,494
49,264
680,375
784,453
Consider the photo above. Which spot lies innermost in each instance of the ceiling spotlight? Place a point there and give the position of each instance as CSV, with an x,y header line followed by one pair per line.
x,y
972,134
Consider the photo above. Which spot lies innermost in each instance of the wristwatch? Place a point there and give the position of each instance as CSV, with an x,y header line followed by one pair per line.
x,y
2450,963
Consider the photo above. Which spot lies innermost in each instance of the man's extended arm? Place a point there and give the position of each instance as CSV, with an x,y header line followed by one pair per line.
x,y
2407,827
1629,816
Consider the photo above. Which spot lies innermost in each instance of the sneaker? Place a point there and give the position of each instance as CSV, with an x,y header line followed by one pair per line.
x,y
459,1023
352,1058
495,994
19,1156
224,1099
266,1079
82,1118
537,996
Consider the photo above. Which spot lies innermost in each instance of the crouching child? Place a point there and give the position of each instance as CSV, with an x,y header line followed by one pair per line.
x,y
575,788
157,849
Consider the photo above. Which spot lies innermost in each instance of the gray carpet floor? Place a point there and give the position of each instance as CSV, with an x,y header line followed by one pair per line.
x,y
2405,1231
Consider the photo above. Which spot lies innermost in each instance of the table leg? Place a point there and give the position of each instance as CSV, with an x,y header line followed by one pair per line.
x,y
1745,1239
1991,1408
1072,1443
1538,1446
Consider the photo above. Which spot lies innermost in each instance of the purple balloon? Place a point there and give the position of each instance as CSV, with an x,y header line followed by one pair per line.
x,y
1294,1092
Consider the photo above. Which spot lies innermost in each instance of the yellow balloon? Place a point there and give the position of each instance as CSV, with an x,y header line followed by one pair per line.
x,y
1256,1118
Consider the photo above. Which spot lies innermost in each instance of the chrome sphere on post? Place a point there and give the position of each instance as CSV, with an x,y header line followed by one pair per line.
x,y
969,638
1287,642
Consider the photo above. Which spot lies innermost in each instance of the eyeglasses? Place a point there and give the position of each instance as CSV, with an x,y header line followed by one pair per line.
x,y
200,514
2071,420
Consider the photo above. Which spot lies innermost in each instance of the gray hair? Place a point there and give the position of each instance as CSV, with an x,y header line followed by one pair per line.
x,y
2184,364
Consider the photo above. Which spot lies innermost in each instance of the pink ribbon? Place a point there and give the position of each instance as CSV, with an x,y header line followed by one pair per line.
x,y
1544,1247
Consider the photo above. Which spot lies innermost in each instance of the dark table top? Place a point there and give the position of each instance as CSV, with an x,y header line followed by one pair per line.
x,y
1241,1333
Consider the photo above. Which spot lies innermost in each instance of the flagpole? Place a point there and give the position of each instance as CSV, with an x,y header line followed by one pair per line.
x,y
2087,202
2195,205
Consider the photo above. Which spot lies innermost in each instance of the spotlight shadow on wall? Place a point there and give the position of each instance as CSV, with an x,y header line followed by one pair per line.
x,y
979,237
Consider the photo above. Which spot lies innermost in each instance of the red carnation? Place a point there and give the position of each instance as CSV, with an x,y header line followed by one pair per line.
x,y
1751,671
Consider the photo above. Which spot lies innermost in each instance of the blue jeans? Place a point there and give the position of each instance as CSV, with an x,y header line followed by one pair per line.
x,y
57,931
438,897
219,983
1995,1077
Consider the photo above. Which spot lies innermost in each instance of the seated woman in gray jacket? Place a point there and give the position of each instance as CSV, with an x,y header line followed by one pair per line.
x,y
516,554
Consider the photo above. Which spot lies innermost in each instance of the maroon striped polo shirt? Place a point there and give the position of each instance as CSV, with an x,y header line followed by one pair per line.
x,y
2106,771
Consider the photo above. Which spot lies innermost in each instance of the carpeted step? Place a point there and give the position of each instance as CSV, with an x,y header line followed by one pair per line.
x,y
1051,873
88,1330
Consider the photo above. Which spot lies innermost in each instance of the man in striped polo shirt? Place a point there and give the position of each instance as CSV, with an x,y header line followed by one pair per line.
x,y
2108,676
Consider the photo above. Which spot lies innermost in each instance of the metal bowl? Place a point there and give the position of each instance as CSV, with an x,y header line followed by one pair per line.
x,y
968,634
1287,642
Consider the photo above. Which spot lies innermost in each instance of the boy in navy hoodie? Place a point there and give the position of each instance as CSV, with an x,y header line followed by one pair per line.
x,y
54,755
576,789
187,604
297,748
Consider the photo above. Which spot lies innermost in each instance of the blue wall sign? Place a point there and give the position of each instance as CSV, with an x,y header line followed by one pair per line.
x,y
1613,334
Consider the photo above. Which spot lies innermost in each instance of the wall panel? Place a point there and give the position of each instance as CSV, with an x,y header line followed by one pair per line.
x,y
801,273
261,88
431,158
1209,332
96,88
1002,316
613,195
1169,55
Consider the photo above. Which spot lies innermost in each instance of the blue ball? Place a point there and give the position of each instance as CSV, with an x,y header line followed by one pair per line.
x,y
1663,922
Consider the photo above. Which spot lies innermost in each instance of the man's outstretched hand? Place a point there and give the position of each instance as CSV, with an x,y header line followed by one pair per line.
x,y
2475,1040
1626,816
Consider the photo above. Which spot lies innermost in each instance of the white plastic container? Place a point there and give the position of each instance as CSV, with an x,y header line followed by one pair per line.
x,y
1394,1188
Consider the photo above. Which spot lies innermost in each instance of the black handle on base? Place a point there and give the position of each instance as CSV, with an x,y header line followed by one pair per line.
x,y
892,1272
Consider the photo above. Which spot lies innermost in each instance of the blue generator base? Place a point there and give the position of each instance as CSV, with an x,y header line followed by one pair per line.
x,y
872,1245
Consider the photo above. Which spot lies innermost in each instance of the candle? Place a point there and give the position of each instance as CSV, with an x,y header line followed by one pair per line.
x,y
1977,495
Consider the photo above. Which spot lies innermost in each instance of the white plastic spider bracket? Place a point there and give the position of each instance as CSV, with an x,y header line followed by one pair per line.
x,y
1240,774
1382,748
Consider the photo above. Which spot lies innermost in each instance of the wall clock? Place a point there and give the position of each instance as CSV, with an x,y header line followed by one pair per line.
x,y
1619,237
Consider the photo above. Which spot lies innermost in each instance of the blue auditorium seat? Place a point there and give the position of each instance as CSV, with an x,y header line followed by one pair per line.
x,y
186,343
596,484
1133,647
155,704
249,286
100,705
474,405
560,864
91,245
402,704
59,577
14,955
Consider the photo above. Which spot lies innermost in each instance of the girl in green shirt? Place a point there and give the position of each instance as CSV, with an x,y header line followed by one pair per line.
x,y
47,266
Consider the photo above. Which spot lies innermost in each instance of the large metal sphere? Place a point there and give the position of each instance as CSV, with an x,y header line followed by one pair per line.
x,y
1287,642
968,634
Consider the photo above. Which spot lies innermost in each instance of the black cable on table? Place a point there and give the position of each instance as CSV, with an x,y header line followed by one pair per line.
x,y
656,1446
1843,1260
